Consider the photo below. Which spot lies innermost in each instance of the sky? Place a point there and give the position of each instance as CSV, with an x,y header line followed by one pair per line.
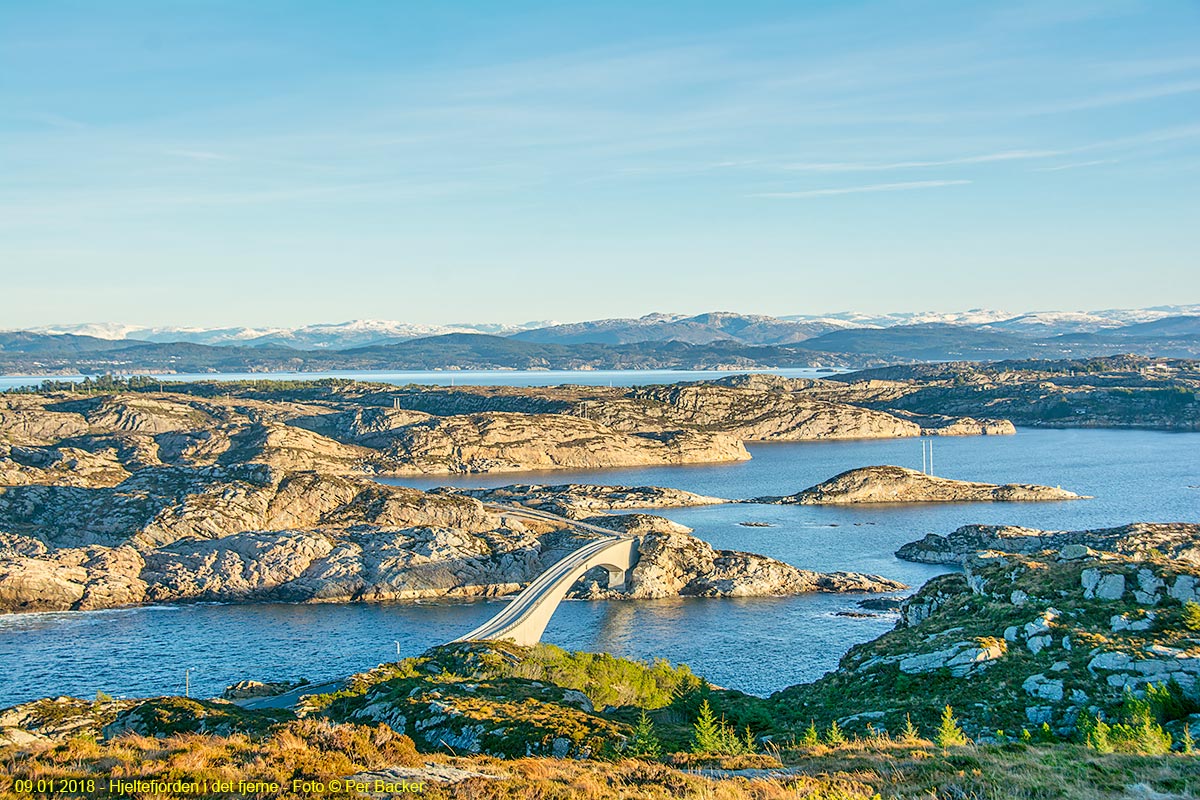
x,y
282,163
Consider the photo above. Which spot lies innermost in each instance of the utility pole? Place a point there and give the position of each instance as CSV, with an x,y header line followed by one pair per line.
x,y
931,456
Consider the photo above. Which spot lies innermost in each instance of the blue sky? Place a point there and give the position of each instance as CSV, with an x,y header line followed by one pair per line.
x,y
280,163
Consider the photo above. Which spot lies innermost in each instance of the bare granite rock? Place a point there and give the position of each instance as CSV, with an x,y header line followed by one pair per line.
x,y
500,442
575,499
752,414
887,484
672,564
1177,540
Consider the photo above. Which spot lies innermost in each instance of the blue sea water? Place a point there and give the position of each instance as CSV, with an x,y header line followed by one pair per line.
x,y
758,645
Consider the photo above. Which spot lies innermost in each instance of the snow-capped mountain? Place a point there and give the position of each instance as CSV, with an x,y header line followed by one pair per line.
x,y
855,319
749,329
333,336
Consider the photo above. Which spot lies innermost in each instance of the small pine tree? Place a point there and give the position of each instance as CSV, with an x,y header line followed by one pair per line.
x,y
1095,733
1191,616
749,745
1186,740
706,732
810,737
910,734
949,734
1026,736
644,743
834,736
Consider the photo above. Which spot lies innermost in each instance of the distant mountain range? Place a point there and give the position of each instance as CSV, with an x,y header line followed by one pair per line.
x,y
700,329
333,336
705,341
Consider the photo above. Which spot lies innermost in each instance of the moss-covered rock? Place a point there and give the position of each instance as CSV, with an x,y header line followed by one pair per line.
x,y
167,716
1018,641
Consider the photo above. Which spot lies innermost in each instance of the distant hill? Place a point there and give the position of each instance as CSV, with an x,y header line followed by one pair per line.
x,y
1187,327
30,343
937,342
700,329
452,351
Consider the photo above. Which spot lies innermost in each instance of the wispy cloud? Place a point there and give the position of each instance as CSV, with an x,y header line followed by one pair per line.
x,y
873,187
1076,165
986,158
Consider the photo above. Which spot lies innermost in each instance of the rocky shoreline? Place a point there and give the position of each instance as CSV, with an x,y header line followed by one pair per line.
x,y
257,534
265,492
888,484
1177,540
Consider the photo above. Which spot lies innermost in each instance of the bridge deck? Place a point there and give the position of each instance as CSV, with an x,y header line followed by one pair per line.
x,y
524,619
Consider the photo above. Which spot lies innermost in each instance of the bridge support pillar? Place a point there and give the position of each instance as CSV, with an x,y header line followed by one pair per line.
x,y
616,578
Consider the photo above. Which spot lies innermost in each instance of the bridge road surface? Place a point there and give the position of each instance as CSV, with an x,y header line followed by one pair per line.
x,y
525,618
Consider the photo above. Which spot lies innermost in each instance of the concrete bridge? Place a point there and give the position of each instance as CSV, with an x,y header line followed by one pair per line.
x,y
524,619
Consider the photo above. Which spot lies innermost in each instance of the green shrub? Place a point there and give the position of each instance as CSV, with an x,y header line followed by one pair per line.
x,y
1191,616
1168,702
605,679
1139,730
810,737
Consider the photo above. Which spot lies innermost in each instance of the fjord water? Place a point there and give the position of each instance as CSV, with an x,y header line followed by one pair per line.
x,y
754,644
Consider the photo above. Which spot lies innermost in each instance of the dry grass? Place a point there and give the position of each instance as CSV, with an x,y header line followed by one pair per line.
x,y
880,768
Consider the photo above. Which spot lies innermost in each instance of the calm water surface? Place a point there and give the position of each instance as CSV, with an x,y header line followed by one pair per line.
x,y
756,644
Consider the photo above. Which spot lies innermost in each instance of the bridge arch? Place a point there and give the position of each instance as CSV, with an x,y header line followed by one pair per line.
x,y
524,619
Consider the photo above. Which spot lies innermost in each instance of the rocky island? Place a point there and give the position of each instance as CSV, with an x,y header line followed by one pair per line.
x,y
888,484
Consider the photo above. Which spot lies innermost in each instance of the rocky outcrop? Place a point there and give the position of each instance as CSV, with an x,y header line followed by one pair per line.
x,y
375,563
57,719
747,413
99,440
1044,639
888,484
942,425
159,506
60,466
1180,541
166,716
73,579
672,564
575,499
250,689
497,442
